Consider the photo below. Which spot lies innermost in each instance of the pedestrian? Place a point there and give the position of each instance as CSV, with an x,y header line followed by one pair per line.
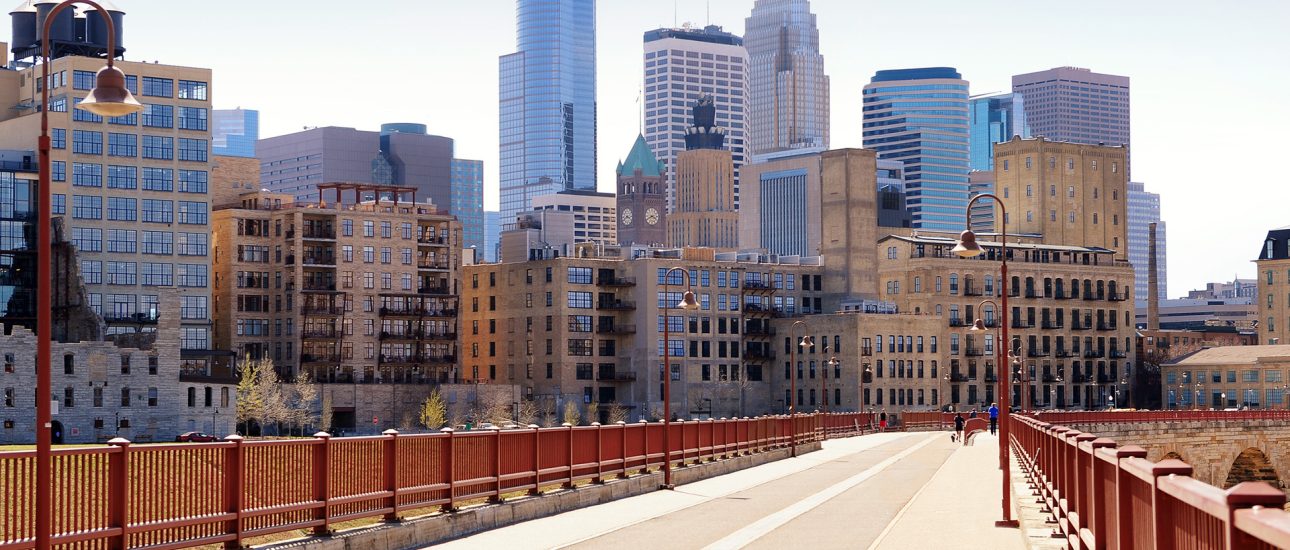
x,y
994,417
882,421
958,427
973,413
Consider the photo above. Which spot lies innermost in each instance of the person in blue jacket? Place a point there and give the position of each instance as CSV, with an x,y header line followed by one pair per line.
x,y
994,417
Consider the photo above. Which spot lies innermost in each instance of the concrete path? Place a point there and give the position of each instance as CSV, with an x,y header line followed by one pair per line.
x,y
892,490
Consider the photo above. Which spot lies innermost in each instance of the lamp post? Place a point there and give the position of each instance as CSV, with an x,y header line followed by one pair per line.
x,y
1223,405
967,247
1199,388
979,326
109,98
792,376
832,364
687,303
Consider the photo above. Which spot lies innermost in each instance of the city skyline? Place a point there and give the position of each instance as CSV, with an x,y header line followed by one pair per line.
x,y
852,36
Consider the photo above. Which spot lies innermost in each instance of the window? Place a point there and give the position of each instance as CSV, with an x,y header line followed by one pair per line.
x,y
92,272
87,175
195,338
192,118
121,273
158,179
192,89
87,208
58,170
82,80
131,119
152,397
158,274
81,115
158,116
194,244
125,397
192,181
193,213
158,211
192,275
193,307
122,240
122,177
581,300
157,242
87,239
580,275
192,149
122,209
158,147
58,138
158,87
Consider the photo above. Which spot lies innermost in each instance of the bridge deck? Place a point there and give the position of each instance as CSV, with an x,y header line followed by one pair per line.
x,y
895,490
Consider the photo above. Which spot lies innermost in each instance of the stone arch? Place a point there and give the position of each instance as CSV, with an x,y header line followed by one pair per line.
x,y
1252,464
1172,454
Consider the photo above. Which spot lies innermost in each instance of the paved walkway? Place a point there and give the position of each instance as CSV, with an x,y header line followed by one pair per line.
x,y
894,490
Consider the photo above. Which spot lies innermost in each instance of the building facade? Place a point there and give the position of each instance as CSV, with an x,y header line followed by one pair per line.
x,y
1237,288
642,197
547,102
1274,281
234,132
563,224
788,92
18,211
132,192
929,135
1144,209
1076,105
1196,313
777,190
1227,377
1070,317
468,201
705,212
893,210
1069,193
681,66
994,119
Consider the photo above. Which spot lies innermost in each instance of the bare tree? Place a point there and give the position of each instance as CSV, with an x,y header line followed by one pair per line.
x,y
528,413
496,408
249,400
259,396
304,396
324,422
434,411
549,416
572,416
617,413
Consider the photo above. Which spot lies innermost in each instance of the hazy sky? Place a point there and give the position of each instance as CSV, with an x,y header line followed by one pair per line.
x,y
1206,80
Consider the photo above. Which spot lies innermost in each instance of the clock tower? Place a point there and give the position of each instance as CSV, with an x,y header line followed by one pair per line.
x,y
642,199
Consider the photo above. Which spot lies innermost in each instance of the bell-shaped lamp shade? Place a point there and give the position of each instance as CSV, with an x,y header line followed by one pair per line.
x,y
977,326
967,247
110,98
807,342
688,301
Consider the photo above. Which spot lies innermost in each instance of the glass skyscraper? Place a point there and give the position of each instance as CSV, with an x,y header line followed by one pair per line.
x,y
468,201
234,132
547,91
920,117
1144,208
788,92
994,119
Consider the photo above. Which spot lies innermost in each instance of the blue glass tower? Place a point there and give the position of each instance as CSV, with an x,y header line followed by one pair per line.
x,y
547,103
468,200
920,117
234,132
994,119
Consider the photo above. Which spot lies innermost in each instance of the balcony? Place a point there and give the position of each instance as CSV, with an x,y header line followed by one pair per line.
x,y
413,359
973,351
431,240
1065,295
1117,354
756,309
1118,297
1051,379
320,234
325,260
1037,353
325,310
758,286
616,281
1018,323
959,322
441,290
759,331
432,264
318,287
971,290
756,354
1031,294
1081,379
1089,296
1105,326
131,318
307,358
1094,354
616,305
991,378
319,334
866,351
1081,326
613,375
1064,353
615,329
959,377
1105,379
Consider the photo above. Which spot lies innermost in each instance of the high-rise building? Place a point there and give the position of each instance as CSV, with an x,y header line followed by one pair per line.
x,y
562,222
788,92
642,204
492,230
893,212
1274,282
778,189
705,213
994,119
18,210
234,132
1071,194
920,116
1144,208
719,64
548,103
981,182
468,201
1076,105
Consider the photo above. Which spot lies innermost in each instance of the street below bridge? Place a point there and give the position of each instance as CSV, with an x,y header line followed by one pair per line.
x,y
890,490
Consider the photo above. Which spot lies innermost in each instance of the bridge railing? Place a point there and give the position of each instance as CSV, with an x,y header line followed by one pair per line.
x,y
192,494
1103,495
1086,417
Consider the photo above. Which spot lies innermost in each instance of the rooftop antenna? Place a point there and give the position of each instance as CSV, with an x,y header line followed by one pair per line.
x,y
674,13
708,12
640,111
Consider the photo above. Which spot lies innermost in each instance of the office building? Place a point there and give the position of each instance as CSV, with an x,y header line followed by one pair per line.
x,y
1144,208
1237,288
547,101
468,201
563,224
981,182
492,231
1069,316
642,200
994,119
682,65
1069,193
705,213
1274,281
18,210
778,188
1240,312
893,211
1076,105
234,132
929,135
788,92
349,292
131,192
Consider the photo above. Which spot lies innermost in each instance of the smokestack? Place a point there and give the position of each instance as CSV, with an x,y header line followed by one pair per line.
x,y
1153,281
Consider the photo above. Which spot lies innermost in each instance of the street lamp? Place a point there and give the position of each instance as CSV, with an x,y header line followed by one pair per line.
x,y
792,374
979,326
109,98
967,247
1200,386
687,303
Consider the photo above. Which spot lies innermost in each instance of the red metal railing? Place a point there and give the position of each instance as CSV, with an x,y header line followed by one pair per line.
x,y
1086,417
1102,495
180,495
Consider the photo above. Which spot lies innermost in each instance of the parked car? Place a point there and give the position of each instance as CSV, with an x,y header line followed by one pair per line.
x,y
195,437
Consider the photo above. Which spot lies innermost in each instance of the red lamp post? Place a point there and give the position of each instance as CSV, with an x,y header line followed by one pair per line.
x,y
806,341
109,98
967,247
687,303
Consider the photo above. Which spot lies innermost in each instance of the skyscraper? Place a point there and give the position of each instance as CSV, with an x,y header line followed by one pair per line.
x,y
994,119
920,116
1144,208
234,132
492,230
547,103
468,201
681,65
788,92
1076,105
705,213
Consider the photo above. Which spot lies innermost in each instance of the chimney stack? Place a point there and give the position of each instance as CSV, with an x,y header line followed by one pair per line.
x,y
1153,281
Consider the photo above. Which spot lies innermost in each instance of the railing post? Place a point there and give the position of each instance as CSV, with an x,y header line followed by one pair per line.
x,y
537,460
792,434
1163,516
600,454
644,446
322,482
119,491
1123,513
1097,513
568,483
1248,494
234,485
622,427
449,472
392,472
497,466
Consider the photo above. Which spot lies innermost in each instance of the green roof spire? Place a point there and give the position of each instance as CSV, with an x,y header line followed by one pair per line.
x,y
641,157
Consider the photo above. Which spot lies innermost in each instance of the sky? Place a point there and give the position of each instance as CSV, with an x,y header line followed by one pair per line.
x,y
1206,80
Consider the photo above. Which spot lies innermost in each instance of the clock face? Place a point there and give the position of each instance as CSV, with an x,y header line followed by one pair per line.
x,y
651,216
627,216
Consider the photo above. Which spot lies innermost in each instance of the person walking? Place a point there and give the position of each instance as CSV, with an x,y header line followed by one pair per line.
x,y
973,413
958,427
994,417
882,421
